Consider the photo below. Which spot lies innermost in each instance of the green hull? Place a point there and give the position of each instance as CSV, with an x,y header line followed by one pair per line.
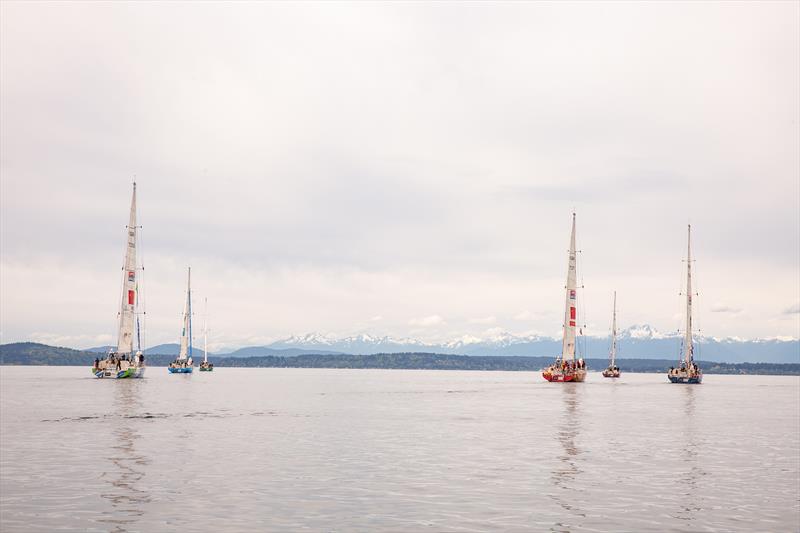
x,y
122,374
206,369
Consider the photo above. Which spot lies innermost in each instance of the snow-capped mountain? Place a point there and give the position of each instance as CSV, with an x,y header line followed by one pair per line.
x,y
636,341
644,331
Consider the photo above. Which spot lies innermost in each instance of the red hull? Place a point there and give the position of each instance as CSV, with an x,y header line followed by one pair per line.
x,y
576,376
556,377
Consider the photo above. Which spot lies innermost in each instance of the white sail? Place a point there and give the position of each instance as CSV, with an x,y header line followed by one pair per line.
x,y
186,331
571,306
127,309
688,345
613,352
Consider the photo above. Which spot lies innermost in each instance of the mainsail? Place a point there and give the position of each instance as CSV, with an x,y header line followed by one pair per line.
x,y
613,353
186,331
127,310
688,345
570,309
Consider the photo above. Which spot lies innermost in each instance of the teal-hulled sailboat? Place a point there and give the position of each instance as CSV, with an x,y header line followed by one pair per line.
x,y
205,366
183,363
613,370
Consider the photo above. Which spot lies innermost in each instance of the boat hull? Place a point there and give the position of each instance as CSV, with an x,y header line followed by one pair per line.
x,y
182,370
569,376
688,380
128,373
202,369
611,373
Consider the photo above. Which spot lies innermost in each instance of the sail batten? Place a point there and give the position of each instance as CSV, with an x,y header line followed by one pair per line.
x,y
129,287
571,305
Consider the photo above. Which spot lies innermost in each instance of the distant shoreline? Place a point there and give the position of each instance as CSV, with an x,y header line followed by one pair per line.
x,y
33,354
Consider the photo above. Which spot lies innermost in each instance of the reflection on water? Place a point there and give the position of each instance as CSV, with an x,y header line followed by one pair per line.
x,y
688,468
330,450
124,465
567,470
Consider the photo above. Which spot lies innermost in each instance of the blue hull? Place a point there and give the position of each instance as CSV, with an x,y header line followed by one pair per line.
x,y
187,370
688,381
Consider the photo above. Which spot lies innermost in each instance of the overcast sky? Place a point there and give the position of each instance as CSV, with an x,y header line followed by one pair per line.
x,y
401,169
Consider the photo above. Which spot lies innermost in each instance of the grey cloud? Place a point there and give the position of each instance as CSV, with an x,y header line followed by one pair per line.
x,y
722,308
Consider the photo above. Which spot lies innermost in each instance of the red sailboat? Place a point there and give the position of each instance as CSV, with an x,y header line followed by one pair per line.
x,y
567,367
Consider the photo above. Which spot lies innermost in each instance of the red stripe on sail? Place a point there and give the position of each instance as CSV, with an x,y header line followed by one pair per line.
x,y
572,323
131,297
572,313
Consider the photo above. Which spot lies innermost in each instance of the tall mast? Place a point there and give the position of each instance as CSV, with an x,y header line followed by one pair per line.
x,y
570,308
186,331
205,332
128,303
189,300
687,343
613,353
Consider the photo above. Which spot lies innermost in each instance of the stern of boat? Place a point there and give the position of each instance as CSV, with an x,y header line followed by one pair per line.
x,y
689,380
557,376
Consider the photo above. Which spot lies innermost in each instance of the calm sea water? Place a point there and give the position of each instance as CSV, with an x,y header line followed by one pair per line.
x,y
394,450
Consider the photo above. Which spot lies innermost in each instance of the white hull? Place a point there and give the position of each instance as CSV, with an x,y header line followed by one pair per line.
x,y
124,372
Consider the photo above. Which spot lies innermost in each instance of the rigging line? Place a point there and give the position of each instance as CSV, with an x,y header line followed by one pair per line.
x,y
189,291
616,339
140,293
681,309
695,314
582,308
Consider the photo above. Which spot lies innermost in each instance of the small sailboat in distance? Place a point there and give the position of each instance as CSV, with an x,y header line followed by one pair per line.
x,y
567,367
613,370
205,366
183,363
123,362
687,371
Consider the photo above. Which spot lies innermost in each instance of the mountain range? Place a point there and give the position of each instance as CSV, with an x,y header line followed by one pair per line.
x,y
638,341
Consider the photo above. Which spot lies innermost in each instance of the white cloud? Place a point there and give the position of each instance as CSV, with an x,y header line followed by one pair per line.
x,y
483,320
71,341
436,170
524,315
426,322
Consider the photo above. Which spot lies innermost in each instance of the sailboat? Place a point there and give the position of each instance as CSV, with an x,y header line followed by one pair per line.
x,y
205,366
687,371
566,366
122,362
613,370
183,363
